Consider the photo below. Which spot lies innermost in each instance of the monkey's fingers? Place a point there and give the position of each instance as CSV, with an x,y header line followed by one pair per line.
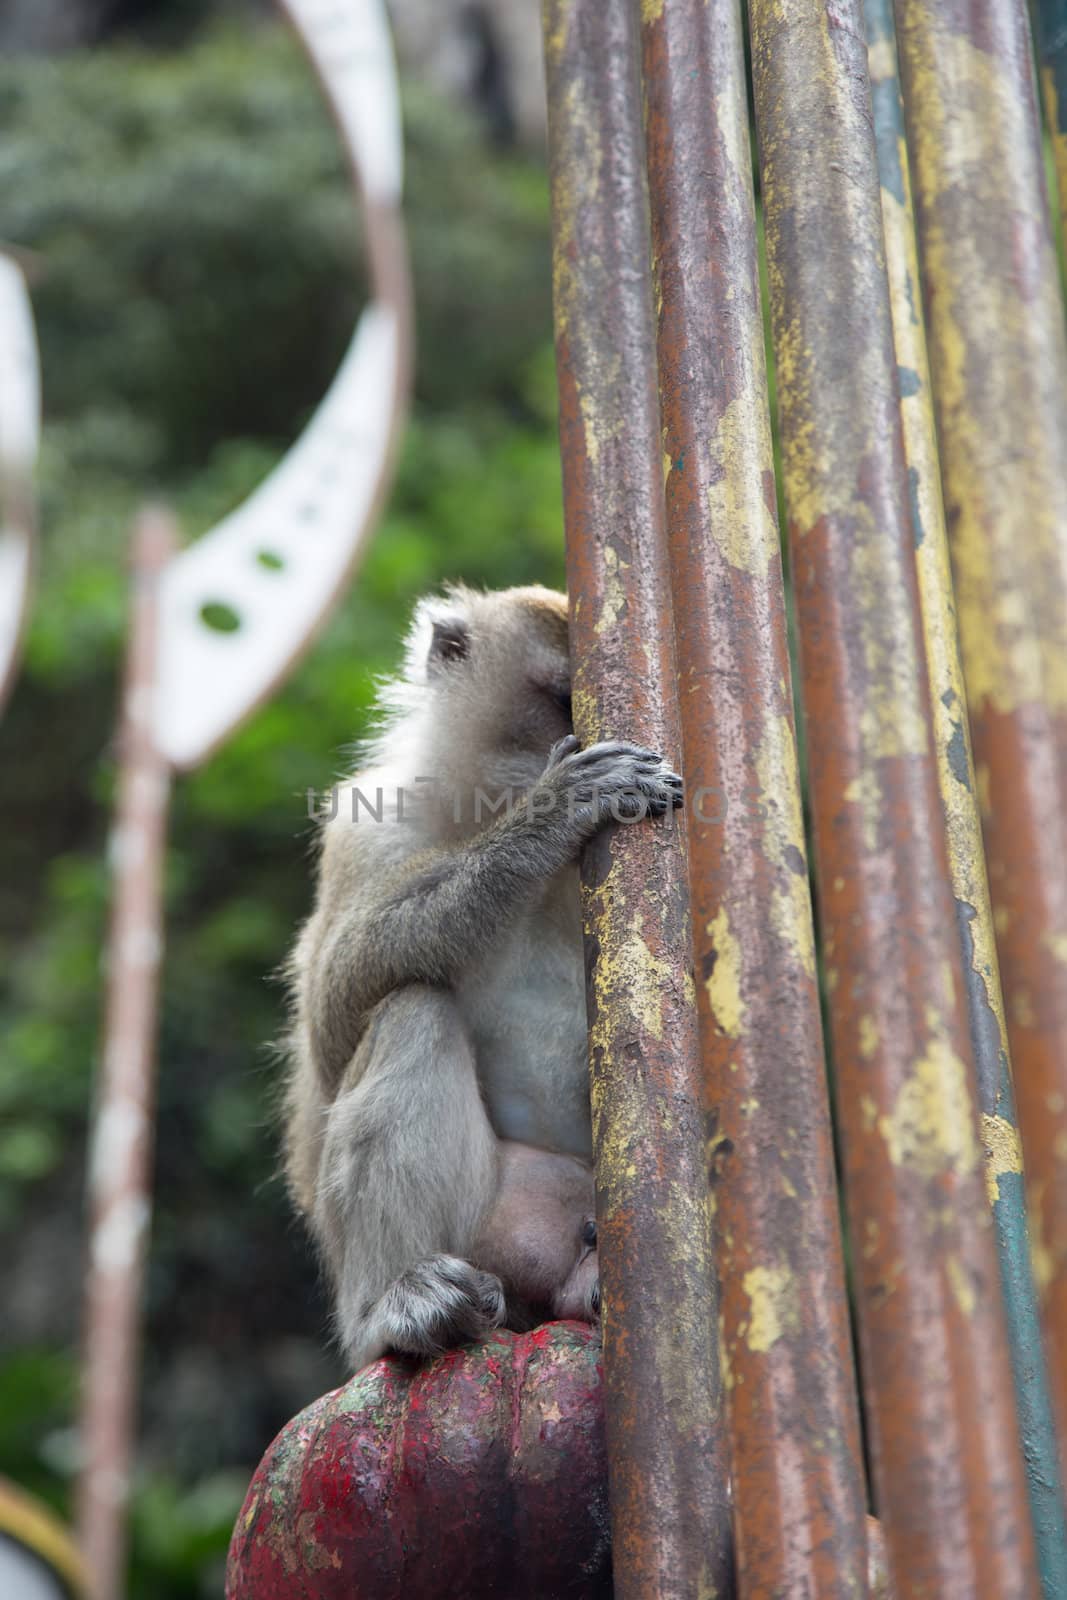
x,y
562,748
602,765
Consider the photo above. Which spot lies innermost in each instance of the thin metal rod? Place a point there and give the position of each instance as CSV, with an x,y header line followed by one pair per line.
x,y
944,1438
667,1472
999,357
955,771
121,1148
798,1484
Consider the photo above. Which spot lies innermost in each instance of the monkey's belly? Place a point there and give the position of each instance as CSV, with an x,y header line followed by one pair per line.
x,y
526,1016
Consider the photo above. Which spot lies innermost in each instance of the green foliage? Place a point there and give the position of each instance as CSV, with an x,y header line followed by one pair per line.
x,y
200,275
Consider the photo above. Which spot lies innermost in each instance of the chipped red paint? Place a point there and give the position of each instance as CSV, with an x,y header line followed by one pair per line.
x,y
799,1491
479,1474
670,1511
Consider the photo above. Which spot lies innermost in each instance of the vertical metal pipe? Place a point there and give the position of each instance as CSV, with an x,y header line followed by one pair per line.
x,y
798,1486
999,358
668,1473
121,1150
1051,17
955,771
937,1376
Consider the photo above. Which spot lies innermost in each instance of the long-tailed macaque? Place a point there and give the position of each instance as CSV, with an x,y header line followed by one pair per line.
x,y
438,1132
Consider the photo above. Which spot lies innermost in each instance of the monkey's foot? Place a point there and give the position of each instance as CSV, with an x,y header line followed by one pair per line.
x,y
440,1303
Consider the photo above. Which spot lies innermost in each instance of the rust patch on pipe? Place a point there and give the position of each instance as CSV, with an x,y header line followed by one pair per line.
x,y
799,1494
667,1472
937,1378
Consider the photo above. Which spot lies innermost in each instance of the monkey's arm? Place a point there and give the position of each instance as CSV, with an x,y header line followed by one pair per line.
x,y
443,908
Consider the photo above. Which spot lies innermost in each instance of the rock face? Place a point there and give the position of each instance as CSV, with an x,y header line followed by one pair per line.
x,y
482,1473
487,52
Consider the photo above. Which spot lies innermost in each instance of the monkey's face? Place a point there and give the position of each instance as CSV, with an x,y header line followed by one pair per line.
x,y
497,668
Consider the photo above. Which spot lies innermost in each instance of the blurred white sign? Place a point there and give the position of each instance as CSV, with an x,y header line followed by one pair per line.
x,y
20,428
239,605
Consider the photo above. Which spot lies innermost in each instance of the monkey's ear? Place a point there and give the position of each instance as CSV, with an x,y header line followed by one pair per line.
x,y
451,641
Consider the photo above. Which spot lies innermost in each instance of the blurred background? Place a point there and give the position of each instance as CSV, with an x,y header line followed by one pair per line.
x,y
170,176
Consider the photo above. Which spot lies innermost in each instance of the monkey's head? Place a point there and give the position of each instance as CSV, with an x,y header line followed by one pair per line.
x,y
495,671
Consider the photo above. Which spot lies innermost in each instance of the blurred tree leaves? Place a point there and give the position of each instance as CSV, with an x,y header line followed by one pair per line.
x,y
200,277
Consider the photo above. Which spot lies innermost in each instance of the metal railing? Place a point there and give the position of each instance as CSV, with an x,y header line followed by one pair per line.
x,y
727,1343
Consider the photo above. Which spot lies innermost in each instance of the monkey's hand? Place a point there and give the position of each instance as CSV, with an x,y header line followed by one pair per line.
x,y
436,914
609,782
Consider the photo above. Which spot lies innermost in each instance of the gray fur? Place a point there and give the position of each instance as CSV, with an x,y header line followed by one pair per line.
x,y
438,993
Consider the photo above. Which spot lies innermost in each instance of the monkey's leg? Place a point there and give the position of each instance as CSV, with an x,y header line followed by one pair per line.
x,y
539,1236
408,1170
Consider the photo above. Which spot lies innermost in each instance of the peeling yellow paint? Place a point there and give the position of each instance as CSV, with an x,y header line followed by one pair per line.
x,y
893,720
586,715
741,523
1041,1257
866,792
869,1112
724,984
961,1285
631,970
930,1127
774,1312
869,1037
778,775
1004,436
598,429
651,10
725,1365
614,591
1057,944
1003,1153
948,694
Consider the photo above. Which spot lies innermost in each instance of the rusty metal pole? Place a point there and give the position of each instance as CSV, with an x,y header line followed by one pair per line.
x,y
121,1150
668,1472
1051,19
955,771
999,358
798,1484
944,1438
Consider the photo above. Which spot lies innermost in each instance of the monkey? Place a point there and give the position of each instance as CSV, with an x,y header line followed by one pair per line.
x,y
437,1121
